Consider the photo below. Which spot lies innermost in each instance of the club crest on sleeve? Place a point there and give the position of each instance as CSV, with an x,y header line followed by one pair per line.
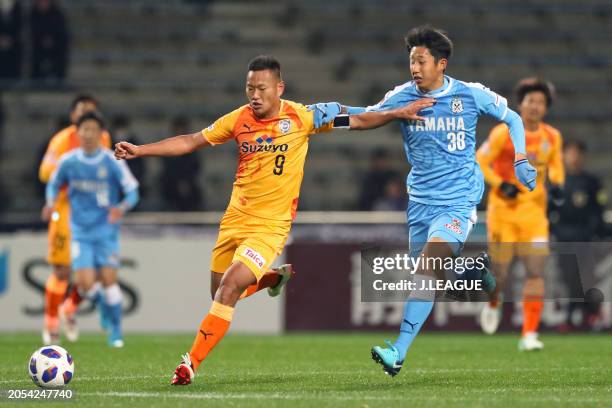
x,y
210,128
456,105
284,126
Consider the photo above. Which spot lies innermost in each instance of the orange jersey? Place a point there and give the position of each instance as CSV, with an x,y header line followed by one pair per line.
x,y
272,153
61,143
496,159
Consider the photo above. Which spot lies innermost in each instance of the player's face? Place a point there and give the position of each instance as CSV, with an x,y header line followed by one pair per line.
x,y
263,90
90,135
573,158
426,72
80,109
533,107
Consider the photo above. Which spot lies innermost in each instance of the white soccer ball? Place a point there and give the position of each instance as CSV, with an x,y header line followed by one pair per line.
x,y
51,367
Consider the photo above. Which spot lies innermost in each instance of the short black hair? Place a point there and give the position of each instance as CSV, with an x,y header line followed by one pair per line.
x,y
263,62
434,39
91,115
533,84
578,144
83,98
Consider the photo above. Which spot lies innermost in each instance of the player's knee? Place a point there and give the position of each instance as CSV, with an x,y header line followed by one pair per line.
x,y
108,278
228,292
87,284
62,272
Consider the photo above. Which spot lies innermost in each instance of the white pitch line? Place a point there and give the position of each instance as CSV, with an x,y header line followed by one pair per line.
x,y
322,397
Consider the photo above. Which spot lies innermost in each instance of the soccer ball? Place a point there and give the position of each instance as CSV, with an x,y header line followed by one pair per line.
x,y
51,367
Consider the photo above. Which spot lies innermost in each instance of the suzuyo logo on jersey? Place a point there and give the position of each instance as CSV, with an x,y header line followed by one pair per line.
x,y
263,144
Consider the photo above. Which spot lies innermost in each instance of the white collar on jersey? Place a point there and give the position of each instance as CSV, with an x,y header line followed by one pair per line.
x,y
443,90
95,158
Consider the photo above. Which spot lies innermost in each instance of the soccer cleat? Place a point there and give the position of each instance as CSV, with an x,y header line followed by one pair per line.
x,y
483,274
286,272
117,343
183,374
71,330
50,337
490,317
530,342
388,358
115,339
488,280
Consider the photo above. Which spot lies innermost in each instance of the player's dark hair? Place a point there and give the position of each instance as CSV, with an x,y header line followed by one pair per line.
x,y
91,115
264,62
528,85
83,98
434,39
578,144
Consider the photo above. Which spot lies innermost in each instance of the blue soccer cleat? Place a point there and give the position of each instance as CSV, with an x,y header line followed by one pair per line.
x,y
388,358
482,274
115,339
488,279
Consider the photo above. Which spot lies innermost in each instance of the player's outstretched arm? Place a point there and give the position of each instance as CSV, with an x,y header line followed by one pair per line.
x,y
375,119
172,146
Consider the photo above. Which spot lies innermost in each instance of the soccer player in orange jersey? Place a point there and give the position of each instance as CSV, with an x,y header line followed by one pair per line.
x,y
516,218
59,226
272,137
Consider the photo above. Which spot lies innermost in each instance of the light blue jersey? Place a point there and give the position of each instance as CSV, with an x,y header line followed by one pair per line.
x,y
95,183
441,149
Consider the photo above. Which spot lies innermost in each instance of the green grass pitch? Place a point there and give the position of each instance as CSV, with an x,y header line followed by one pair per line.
x,y
327,370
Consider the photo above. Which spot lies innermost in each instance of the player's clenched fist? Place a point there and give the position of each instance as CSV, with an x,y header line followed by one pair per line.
x,y
410,111
125,151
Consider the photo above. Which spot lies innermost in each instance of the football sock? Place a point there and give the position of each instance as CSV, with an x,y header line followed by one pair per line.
x,y
416,310
55,290
111,302
76,296
269,280
212,329
533,294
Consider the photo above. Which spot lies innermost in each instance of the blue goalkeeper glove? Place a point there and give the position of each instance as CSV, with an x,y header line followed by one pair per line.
x,y
525,173
324,113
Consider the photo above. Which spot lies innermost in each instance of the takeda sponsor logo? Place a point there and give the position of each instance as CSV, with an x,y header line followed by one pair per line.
x,y
255,257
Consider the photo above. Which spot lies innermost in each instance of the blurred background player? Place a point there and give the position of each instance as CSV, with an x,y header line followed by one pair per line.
x,y
58,255
445,183
578,218
96,182
272,136
517,220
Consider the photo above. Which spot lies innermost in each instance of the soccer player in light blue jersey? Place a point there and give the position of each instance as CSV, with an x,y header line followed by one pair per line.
x,y
100,190
445,183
